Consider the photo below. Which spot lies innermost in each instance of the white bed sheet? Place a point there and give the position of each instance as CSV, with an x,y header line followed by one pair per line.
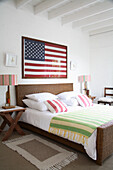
x,y
42,120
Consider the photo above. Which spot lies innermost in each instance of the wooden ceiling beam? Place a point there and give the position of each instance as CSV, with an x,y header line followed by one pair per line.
x,y
46,5
98,25
69,7
87,12
93,19
101,30
21,3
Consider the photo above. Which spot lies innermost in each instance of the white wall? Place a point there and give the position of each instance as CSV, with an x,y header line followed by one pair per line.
x,y
15,23
101,62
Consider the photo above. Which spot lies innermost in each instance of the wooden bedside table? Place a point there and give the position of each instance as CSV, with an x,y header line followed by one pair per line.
x,y
12,122
92,97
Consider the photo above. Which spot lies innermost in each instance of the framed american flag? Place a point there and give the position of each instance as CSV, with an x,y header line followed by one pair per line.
x,y
42,59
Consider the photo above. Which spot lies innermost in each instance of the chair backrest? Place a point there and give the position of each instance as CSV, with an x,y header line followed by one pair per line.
x,y
108,91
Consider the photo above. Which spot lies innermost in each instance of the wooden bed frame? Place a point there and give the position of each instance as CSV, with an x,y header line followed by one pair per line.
x,y
104,141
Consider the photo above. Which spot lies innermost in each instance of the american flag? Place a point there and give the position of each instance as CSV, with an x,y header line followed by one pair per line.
x,y
44,60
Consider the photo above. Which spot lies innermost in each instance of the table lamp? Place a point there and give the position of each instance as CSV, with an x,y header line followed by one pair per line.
x,y
85,79
7,80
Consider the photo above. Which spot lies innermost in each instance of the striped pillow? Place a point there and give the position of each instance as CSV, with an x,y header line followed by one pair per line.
x,y
56,106
84,101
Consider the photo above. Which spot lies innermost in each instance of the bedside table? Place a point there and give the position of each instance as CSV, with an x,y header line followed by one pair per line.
x,y
12,122
92,97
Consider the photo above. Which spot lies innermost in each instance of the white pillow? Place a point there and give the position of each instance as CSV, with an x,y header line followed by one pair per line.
x,y
40,97
66,95
70,102
35,105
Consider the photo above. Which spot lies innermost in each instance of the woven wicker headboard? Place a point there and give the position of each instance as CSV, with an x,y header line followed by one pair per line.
x,y
24,89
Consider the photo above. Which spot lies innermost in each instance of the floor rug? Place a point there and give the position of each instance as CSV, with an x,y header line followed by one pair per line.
x,y
41,153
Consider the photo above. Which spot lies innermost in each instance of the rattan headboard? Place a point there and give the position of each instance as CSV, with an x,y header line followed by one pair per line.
x,y
24,89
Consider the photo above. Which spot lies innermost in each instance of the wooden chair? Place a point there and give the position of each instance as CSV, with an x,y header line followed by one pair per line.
x,y
107,100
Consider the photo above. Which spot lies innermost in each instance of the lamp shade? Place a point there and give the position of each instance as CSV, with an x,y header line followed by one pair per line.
x,y
84,78
9,79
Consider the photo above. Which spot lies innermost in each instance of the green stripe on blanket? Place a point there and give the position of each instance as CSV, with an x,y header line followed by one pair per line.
x,y
73,129
79,125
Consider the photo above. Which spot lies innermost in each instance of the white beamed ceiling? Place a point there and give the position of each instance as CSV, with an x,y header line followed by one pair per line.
x,y
89,15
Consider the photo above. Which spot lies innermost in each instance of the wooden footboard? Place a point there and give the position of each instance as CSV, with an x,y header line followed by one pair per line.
x,y
104,142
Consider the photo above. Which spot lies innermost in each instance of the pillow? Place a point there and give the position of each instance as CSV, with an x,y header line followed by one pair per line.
x,y
84,101
40,97
66,95
56,106
70,102
35,105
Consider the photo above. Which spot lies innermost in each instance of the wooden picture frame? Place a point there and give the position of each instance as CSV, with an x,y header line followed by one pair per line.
x,y
41,59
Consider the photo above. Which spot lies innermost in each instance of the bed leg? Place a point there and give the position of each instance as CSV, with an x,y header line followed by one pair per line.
x,y
98,162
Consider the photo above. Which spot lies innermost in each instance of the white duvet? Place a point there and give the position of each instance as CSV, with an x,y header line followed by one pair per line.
x,y
42,120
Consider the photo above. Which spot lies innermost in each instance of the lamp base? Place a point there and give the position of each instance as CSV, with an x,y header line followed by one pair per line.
x,y
86,92
8,107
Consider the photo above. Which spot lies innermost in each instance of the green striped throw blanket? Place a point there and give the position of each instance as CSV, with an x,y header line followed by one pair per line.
x,y
79,125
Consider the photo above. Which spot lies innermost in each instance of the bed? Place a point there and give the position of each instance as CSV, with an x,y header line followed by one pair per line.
x,y
104,142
